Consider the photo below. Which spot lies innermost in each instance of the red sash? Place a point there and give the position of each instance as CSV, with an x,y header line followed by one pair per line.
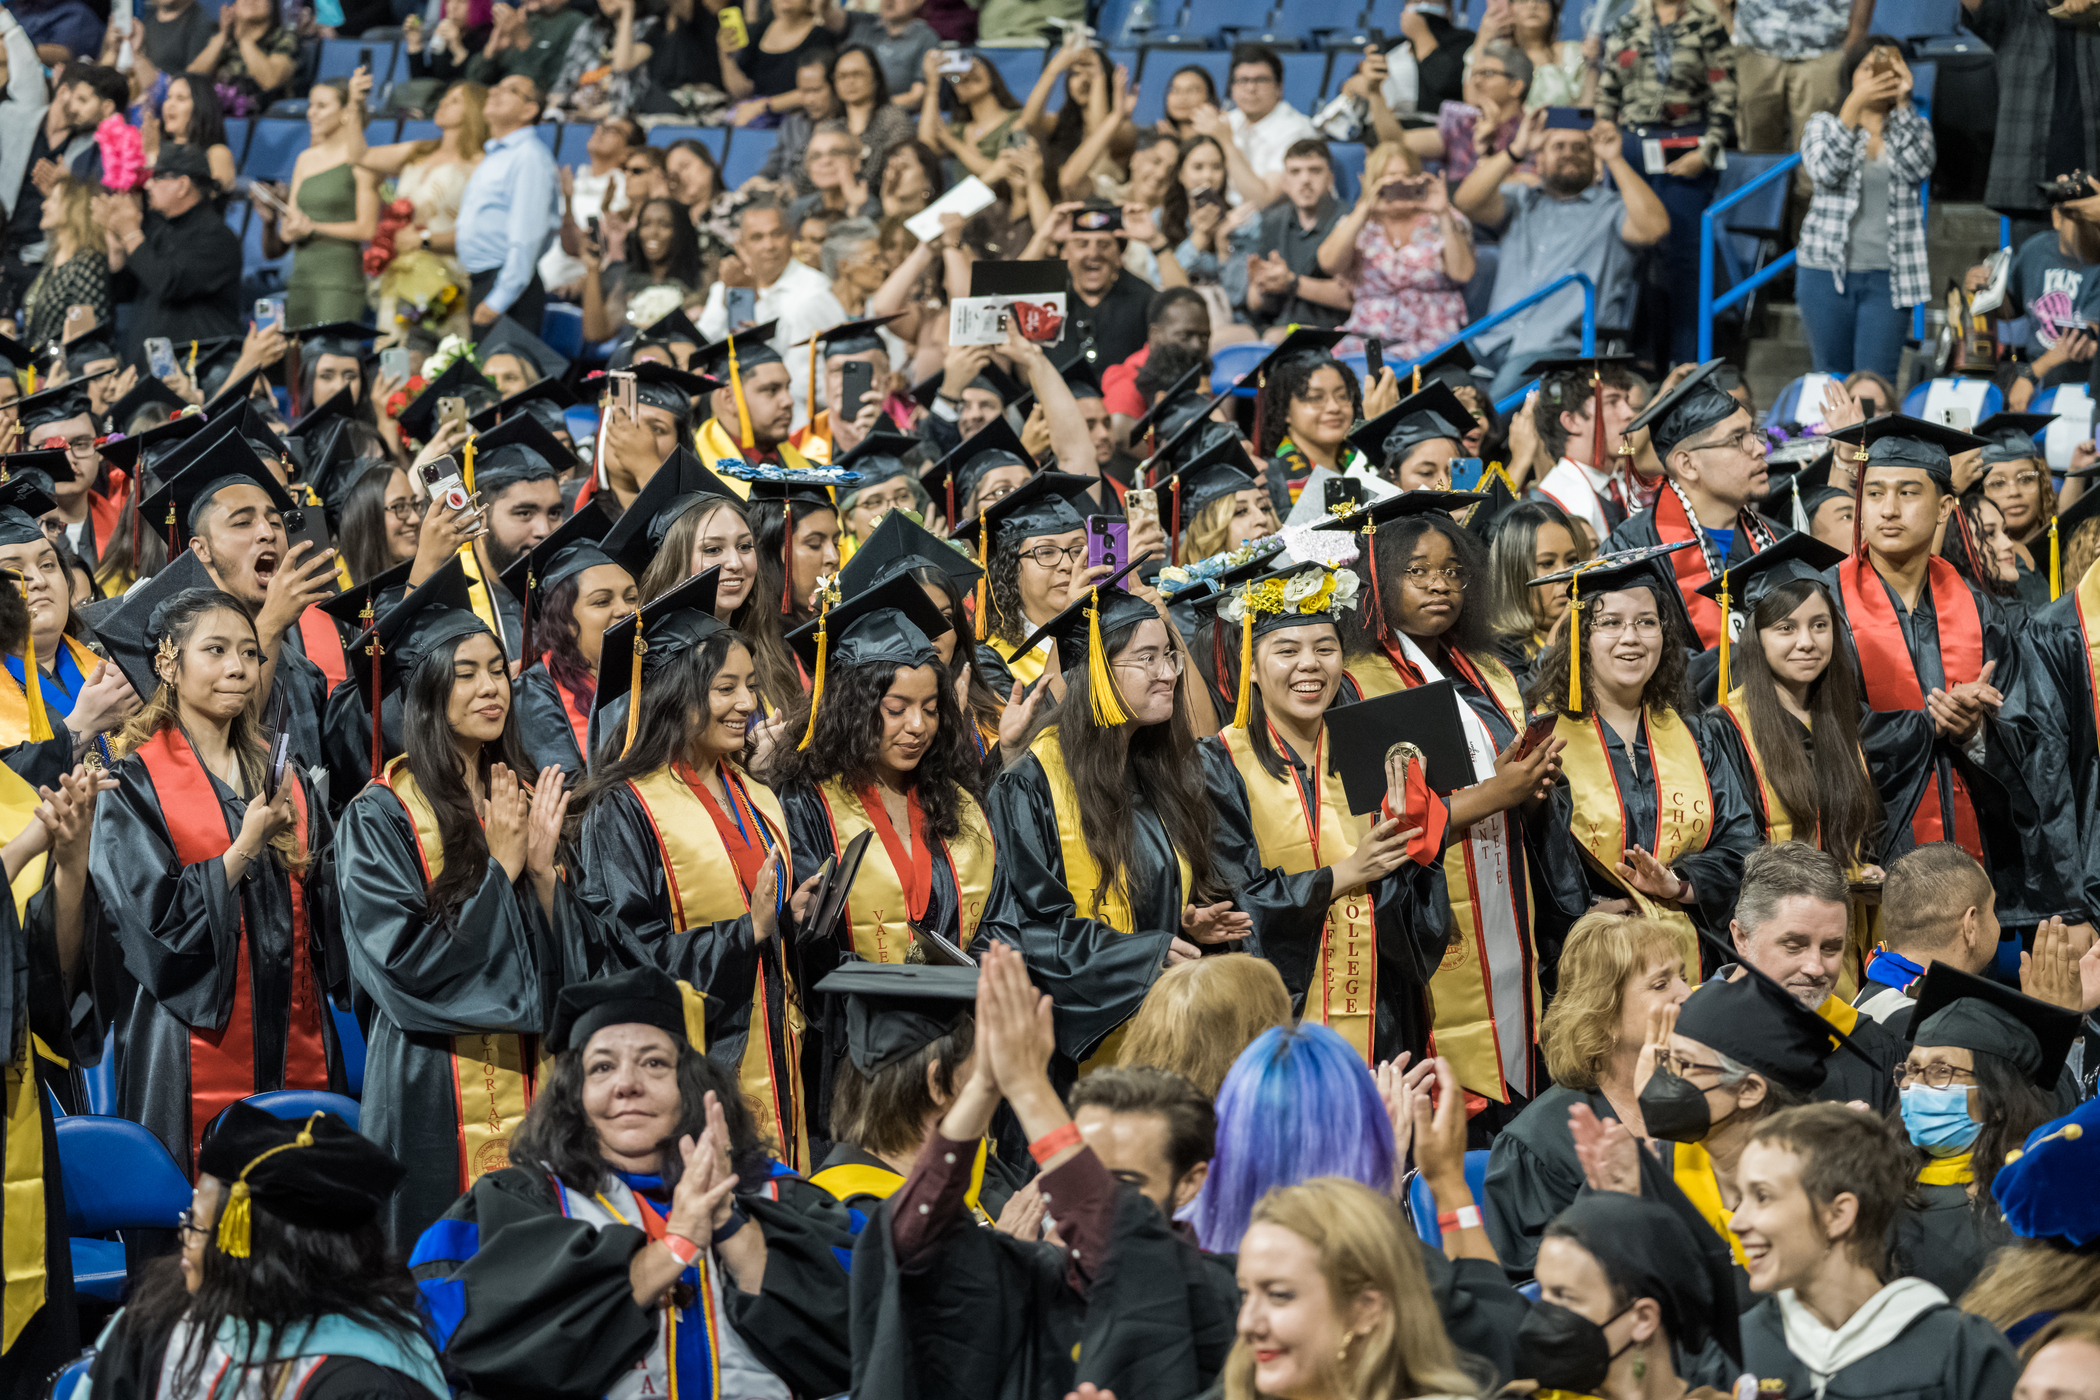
x,y
1892,682
914,871
324,645
742,833
1672,527
579,719
222,1062
103,512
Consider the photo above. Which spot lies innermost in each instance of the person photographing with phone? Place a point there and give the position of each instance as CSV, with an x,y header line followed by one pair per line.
x,y
1406,256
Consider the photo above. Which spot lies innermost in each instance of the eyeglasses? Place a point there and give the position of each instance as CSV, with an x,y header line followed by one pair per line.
x,y
989,494
1482,71
186,1223
1642,626
1262,79
1047,556
1740,440
80,446
1420,578
2020,481
1166,664
1674,1063
1936,1076
404,511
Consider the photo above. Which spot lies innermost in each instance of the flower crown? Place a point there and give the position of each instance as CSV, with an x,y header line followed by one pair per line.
x,y
1313,589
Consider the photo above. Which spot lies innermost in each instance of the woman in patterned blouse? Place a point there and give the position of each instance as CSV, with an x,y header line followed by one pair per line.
x,y
76,266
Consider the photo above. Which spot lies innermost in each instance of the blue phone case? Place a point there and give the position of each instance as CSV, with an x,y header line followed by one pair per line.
x,y
1466,473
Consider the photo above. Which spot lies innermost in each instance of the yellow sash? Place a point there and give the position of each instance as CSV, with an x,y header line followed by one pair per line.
x,y
1027,668
1957,1170
1083,876
1779,823
1684,808
849,1179
1839,1013
491,1070
14,710
22,1187
701,881
875,906
1694,1175
1344,988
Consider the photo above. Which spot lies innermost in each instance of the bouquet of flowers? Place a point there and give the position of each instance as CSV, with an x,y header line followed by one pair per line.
x,y
123,158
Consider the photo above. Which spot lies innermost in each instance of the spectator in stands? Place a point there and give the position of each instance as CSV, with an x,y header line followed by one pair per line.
x,y
986,112
432,176
911,178
1666,79
1497,82
1566,222
1020,23
2045,285
813,102
2048,112
1190,88
900,40
75,270
794,297
861,90
1113,317
62,30
191,115
1263,125
588,191
1562,74
171,33
32,130
1426,68
854,262
1862,249
1403,255
672,55
1201,1014
1212,241
507,212
1787,60
253,53
91,93
1176,319
764,77
1873,392
832,168
185,261
529,41
334,210
1091,134
451,46
690,174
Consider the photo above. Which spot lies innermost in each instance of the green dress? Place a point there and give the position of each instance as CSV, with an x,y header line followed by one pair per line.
x,y
328,274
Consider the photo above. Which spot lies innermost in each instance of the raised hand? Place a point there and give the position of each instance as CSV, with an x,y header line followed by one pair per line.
x,y
1609,1155
505,818
1650,876
1212,924
550,806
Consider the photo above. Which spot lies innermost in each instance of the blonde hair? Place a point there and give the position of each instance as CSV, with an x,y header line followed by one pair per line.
x,y
1210,532
2079,551
473,126
72,195
2034,1276
1201,1014
1580,1029
1364,1247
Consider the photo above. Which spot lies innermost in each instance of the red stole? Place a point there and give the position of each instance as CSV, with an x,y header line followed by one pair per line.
x,y
579,719
1673,527
741,829
103,512
915,870
323,644
222,1062
1892,681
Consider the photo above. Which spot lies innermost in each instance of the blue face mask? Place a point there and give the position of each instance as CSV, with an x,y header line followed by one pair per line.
x,y
1938,1120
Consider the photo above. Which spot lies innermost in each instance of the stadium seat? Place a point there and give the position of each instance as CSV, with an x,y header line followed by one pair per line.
x,y
276,143
2073,406
1113,21
117,1176
1232,361
352,1036
299,1103
418,131
748,150
561,326
583,424
1347,158
549,134
1979,398
1019,67
1132,61
72,1381
1905,19
715,138
238,130
339,58
570,149
1160,67
1305,79
1421,1203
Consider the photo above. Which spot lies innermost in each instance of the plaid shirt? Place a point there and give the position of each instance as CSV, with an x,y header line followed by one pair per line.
x,y
1669,74
1835,157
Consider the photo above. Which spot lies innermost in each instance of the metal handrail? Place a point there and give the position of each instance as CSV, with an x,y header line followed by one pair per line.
x,y
1709,221
1589,322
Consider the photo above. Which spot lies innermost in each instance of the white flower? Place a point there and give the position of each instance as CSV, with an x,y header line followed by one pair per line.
x,y
1345,586
1233,608
1302,584
451,348
652,304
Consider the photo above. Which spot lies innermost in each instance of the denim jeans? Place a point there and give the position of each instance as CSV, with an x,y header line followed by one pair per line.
x,y
1854,329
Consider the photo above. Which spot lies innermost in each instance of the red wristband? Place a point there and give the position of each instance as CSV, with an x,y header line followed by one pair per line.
x,y
1053,1142
682,1249
1464,1218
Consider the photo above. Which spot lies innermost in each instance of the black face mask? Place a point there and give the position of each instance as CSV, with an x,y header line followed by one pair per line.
x,y
1563,1350
1675,1109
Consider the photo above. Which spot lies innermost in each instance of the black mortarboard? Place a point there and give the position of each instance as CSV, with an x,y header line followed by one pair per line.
x,y
68,400
928,389
232,462
544,400
51,466
14,354
1302,340
640,996
878,457
1794,557
1583,365
680,483
1451,365
517,449
575,545
1181,426
1647,567
803,490
1694,404
671,625
675,329
25,495
507,337
1218,469
234,422
127,633
848,337
348,606
144,395
347,338
1433,413
1185,388
154,444
234,391
898,545
2012,437
1647,1250
996,444
314,1171
1957,1008
91,346
1080,377
753,348
895,1010
419,419
1387,509
893,622
994,380
2070,517
1898,440
436,612
319,417
669,388
1756,1021
1427,716
331,466
1041,505
2046,1185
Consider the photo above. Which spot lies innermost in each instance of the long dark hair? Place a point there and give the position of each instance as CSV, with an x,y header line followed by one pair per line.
x,y
1833,788
1667,689
119,561
207,114
849,729
882,84
366,525
1003,587
664,732
769,535
558,1135
1116,769
1961,545
1391,549
1174,209
757,619
681,259
1288,381
555,637
434,762
1217,658
1068,131
985,707
706,158
294,1275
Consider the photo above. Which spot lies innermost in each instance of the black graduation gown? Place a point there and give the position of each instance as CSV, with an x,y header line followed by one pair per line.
x,y
1533,1175
297,700
1096,974
1944,1352
175,929
497,967
128,1365
2023,812
1945,1240
543,724
43,762
1412,913
529,1302
1481,1311
2058,728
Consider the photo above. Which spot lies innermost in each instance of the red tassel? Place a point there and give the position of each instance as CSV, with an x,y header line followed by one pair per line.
x,y
1174,536
1598,458
373,649
1378,628
950,485
787,559
1217,659
1258,445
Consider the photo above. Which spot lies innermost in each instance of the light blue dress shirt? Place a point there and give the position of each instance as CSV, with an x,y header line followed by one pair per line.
x,y
508,213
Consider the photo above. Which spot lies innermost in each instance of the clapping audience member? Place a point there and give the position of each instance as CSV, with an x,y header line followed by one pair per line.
x,y
765,76
1285,283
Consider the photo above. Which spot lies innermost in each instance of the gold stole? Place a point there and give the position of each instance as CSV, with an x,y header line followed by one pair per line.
x,y
1694,1174
1779,823
1957,1170
849,1179
1684,809
22,1199
2087,601
875,906
14,711
701,882
1027,668
715,446
1083,876
491,1070
1344,989
1461,1006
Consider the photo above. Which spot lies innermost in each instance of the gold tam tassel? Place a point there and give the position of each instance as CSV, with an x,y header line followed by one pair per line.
x,y
2056,563
695,1015
1417,387
744,437
466,464
1243,710
984,575
1100,681
1727,645
634,690
236,1221
816,680
33,683
1575,646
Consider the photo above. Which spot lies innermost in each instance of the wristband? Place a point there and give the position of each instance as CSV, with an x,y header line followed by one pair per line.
x,y
1054,1142
737,1221
682,1249
1464,1218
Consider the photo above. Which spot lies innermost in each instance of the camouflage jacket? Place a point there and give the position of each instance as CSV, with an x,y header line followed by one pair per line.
x,y
1669,75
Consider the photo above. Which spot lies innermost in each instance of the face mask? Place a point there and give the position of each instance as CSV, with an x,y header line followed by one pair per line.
x,y
1938,1120
1675,1109
1563,1350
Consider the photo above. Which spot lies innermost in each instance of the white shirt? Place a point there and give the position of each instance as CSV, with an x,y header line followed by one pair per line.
x,y
594,196
1265,141
1576,488
802,302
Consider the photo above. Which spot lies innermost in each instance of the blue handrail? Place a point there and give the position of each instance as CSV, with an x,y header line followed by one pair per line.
x,y
1589,323
1711,221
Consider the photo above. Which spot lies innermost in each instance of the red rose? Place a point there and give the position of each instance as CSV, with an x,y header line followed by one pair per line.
x,y
1627,58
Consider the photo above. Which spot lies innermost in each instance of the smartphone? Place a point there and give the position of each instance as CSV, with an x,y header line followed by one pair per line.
x,y
364,61
1465,473
309,525
1208,196
954,63
393,363
1107,541
280,757
1342,494
1537,732
443,482
1957,417
269,313
451,411
1141,506
1570,118
856,382
1374,359
623,396
731,22
160,356
741,303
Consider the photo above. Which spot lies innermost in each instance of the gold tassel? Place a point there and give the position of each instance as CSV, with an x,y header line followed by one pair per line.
x,y
1726,645
192,370
695,1015
236,1221
736,391
1418,381
1242,711
984,576
812,382
1101,682
816,680
1575,645
33,682
466,464
2056,564
634,690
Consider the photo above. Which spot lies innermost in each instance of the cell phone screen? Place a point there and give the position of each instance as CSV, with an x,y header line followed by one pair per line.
x,y
280,755
856,382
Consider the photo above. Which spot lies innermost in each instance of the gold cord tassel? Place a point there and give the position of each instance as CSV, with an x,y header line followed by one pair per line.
x,y
1100,681
1417,386
1575,645
736,391
1243,710
634,690
984,585
812,392
816,680
32,682
1726,645
2056,563
236,1221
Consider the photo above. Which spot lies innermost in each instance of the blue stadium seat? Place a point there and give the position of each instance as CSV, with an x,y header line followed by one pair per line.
x,y
1208,25
238,130
1575,18
1421,1203
1160,67
419,131
1347,158
72,1380
582,420
1902,19
352,1036
1305,79
549,134
561,326
339,59
1019,67
747,152
1113,22
570,149
715,138
1980,397
276,144
117,1176
1924,79
384,132
1232,361
299,1103
1763,212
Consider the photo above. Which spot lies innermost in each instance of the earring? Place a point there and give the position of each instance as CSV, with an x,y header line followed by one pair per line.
x,y
1640,1368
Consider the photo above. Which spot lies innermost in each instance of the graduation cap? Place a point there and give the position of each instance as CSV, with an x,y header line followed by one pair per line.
x,y
437,612
1301,596
1898,440
1566,380
1452,365
131,634
574,546
348,606
1427,716
1182,392
47,406
331,467
1078,632
1497,499
91,346
1079,376
544,399
1217,470
235,422
316,1172
898,545
231,462
209,362
640,996
2045,1187
507,337
1302,340
1692,406
1041,505
15,354
2010,438
879,457
677,328
1742,585
144,395
1612,573
893,623
346,338
1586,366
1433,413
682,482
23,504
419,419
517,449
1386,509
653,638
45,467
129,450
895,1010
745,350
956,475
850,337
236,391
336,408
669,388
1754,1020
1957,1008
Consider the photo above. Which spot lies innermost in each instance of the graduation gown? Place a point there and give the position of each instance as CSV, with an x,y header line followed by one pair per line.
x,y
1096,967
1533,1174
1941,1351
659,876
551,725
526,1280
2060,725
221,993
42,762
1357,960
1944,1239
451,1012
1666,522
131,1363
